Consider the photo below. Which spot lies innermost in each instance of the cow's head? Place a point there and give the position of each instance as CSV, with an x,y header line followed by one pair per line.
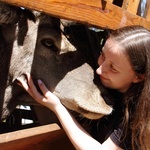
x,y
36,43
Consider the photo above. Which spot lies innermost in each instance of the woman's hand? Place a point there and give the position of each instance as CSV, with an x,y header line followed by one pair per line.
x,y
48,99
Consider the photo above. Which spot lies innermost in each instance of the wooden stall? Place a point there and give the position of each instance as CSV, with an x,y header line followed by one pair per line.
x,y
97,13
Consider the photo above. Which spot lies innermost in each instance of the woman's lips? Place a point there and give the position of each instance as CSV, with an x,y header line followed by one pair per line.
x,y
103,78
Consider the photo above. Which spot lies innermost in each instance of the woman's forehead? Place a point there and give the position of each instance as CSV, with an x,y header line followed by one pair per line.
x,y
113,46
116,55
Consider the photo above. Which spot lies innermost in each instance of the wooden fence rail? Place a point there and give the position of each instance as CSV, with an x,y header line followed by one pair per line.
x,y
40,138
100,13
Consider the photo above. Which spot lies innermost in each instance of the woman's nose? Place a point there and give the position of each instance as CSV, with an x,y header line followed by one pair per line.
x,y
103,68
98,70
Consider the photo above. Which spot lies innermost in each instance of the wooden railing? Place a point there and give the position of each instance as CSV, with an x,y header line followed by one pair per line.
x,y
40,138
100,13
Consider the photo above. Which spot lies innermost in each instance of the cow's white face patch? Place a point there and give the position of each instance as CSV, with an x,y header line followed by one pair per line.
x,y
66,46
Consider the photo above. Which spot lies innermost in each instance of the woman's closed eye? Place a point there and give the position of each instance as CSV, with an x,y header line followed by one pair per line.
x,y
113,68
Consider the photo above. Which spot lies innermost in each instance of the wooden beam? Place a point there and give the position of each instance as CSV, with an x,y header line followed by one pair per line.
x,y
43,137
91,12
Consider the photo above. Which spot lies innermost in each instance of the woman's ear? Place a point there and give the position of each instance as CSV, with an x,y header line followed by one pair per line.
x,y
139,78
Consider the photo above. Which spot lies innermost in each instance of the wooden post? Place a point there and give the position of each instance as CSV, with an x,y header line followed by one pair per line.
x,y
147,10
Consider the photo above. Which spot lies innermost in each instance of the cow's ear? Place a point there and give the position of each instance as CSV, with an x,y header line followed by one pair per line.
x,y
139,78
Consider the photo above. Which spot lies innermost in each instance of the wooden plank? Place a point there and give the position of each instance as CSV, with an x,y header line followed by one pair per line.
x,y
39,138
131,5
86,11
147,10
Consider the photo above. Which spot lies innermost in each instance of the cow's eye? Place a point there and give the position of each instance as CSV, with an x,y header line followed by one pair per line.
x,y
49,43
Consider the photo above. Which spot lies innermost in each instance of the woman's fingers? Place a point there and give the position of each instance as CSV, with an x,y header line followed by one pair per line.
x,y
44,89
30,87
51,100
47,94
46,98
22,83
31,84
36,94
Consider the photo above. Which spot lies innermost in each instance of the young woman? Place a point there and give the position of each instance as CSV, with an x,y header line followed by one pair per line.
x,y
124,66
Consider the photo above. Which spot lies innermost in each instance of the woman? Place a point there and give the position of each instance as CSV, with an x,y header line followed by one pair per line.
x,y
124,66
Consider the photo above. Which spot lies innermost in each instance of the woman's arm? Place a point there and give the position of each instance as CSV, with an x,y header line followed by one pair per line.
x,y
77,135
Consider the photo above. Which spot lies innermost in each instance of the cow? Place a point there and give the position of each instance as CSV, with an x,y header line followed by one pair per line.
x,y
43,45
